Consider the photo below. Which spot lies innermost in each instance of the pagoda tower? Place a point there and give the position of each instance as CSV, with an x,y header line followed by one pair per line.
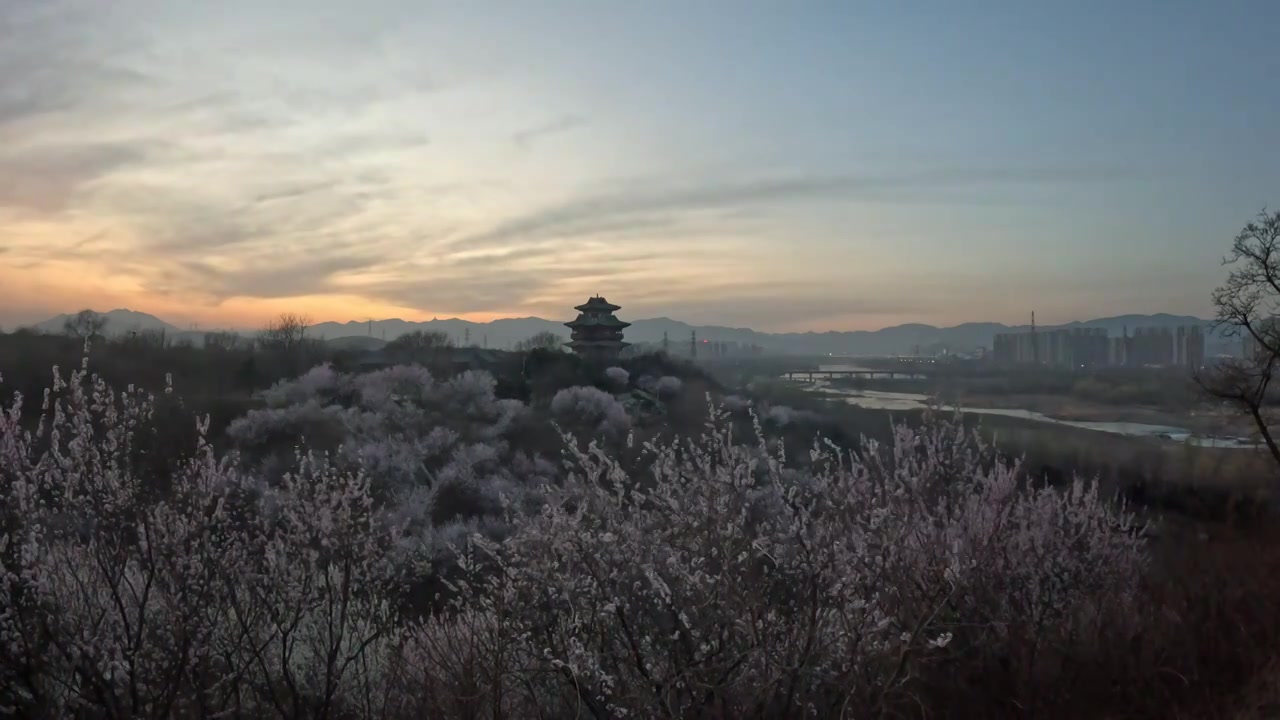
x,y
597,334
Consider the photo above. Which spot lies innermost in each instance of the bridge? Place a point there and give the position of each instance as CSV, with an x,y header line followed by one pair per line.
x,y
833,374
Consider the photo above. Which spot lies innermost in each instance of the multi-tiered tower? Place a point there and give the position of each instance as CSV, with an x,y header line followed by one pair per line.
x,y
597,333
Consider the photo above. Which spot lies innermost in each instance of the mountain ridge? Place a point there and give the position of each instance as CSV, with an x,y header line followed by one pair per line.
x,y
505,332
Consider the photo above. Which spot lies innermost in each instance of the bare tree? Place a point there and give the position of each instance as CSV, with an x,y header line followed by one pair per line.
x,y
222,340
84,324
545,340
420,341
155,338
420,346
287,331
1248,307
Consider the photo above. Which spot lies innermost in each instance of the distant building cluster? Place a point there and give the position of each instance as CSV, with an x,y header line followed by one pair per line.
x,y
719,349
1080,347
1092,347
701,349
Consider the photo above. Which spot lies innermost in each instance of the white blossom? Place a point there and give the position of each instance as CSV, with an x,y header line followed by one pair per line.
x,y
618,376
709,577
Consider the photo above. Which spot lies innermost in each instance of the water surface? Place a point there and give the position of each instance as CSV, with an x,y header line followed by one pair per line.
x,y
882,400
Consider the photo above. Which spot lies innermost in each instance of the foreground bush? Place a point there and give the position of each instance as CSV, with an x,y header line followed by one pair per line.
x,y
224,594
720,583
725,585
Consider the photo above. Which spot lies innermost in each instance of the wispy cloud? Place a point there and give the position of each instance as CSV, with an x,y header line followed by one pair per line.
x,y
526,138
663,202
461,294
50,178
722,299
208,156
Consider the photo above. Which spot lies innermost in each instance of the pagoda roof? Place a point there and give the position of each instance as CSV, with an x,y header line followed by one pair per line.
x,y
575,344
609,321
598,304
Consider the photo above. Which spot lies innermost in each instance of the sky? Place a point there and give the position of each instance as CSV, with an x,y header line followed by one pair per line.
x,y
784,166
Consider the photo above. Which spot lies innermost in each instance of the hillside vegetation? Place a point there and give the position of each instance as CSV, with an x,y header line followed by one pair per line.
x,y
546,538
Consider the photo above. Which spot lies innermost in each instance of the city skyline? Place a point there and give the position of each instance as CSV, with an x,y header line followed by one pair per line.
x,y
737,164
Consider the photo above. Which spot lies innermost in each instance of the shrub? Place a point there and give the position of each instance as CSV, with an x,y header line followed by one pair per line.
x,y
719,582
782,416
590,408
220,595
400,424
729,585
618,376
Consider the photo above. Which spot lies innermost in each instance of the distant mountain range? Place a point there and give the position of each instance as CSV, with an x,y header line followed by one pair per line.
x,y
504,333
118,322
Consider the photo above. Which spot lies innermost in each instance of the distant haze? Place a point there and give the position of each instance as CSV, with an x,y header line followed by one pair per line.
x,y
503,333
788,166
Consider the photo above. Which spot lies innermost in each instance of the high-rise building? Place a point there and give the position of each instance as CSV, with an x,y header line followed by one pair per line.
x,y
1189,346
1014,349
1074,348
1091,347
1120,350
1181,346
1153,346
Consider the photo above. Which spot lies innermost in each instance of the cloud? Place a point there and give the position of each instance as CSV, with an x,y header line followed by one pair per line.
x,y
658,203
63,83
281,278
533,278
216,155
231,175
525,138
55,58
49,179
719,299
294,192
461,294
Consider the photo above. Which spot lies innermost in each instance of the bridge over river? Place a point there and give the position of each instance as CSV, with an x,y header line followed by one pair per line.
x,y
831,374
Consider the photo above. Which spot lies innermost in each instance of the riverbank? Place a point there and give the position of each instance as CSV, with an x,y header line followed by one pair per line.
x,y
1210,435
1200,421
1195,418
1159,474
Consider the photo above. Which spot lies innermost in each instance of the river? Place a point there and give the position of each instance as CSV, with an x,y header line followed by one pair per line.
x,y
880,400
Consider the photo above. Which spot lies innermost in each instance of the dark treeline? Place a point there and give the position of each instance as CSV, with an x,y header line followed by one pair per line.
x,y
223,378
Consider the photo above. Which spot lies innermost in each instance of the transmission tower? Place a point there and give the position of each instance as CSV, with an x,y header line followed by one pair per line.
x,y
1035,340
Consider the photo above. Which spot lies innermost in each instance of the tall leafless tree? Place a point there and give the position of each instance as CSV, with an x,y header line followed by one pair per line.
x,y
287,331
84,324
544,340
1248,307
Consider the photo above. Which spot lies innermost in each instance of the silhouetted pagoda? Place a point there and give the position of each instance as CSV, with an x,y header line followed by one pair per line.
x,y
597,334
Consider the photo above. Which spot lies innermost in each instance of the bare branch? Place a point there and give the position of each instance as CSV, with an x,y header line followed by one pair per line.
x,y
1248,303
